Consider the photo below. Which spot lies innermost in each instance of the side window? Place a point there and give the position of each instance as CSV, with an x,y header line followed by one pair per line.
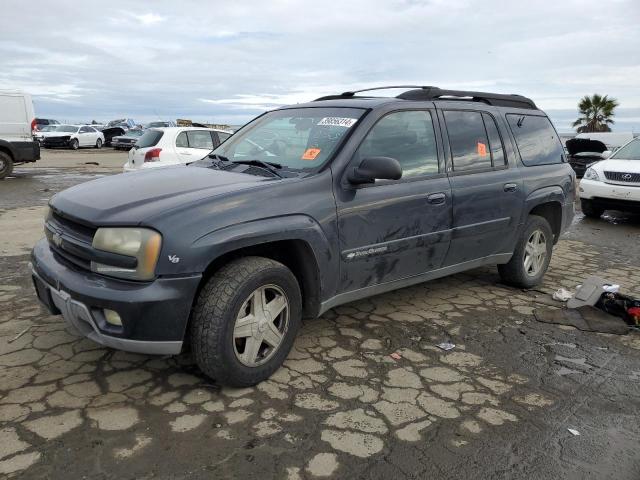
x,y
182,141
200,139
536,138
468,140
406,136
85,130
495,142
223,136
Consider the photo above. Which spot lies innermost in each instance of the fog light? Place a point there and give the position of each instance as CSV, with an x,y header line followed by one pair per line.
x,y
112,317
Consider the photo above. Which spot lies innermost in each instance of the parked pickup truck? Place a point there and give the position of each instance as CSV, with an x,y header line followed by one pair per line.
x,y
305,208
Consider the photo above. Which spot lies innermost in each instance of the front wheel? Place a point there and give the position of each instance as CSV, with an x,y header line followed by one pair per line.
x,y
6,165
245,321
99,143
74,144
531,256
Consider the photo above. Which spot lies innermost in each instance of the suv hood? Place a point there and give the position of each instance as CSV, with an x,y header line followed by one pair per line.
x,y
582,145
132,198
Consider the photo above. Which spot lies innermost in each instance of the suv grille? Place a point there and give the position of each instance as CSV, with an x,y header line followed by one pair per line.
x,y
70,240
623,177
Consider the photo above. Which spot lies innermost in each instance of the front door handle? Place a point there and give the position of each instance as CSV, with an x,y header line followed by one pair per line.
x,y
510,187
436,198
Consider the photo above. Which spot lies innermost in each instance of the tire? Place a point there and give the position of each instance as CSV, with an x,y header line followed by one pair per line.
x,y
99,143
74,144
526,274
590,210
225,298
6,165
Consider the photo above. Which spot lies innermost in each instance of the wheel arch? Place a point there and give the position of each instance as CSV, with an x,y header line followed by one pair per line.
x,y
296,241
5,147
548,203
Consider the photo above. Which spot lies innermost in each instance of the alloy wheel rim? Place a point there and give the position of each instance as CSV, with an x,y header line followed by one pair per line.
x,y
535,253
261,325
3,164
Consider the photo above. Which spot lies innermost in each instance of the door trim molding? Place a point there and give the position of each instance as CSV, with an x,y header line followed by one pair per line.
x,y
408,281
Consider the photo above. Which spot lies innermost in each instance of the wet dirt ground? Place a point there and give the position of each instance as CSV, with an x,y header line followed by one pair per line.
x,y
498,405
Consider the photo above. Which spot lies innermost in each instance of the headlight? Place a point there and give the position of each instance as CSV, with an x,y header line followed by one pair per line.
x,y
591,174
141,243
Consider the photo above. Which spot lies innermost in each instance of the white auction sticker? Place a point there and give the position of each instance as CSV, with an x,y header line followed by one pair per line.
x,y
338,121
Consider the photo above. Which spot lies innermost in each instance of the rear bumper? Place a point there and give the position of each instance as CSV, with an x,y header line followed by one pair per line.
x,y
154,315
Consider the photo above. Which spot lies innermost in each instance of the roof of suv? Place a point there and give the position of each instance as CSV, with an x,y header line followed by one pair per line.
x,y
421,93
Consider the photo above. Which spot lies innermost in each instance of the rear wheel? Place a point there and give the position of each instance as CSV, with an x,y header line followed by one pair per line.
x,y
531,256
99,143
589,209
245,321
74,144
6,165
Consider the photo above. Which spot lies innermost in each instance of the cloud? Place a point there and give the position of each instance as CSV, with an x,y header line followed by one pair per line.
x,y
227,62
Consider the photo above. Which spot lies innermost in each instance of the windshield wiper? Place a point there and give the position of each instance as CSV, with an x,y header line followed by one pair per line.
x,y
269,166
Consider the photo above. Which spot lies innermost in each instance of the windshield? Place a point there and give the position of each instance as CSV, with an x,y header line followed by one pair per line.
x,y
67,128
48,128
134,133
158,124
296,138
631,151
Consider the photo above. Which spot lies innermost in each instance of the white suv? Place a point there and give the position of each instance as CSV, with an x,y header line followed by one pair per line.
x,y
163,147
614,183
17,126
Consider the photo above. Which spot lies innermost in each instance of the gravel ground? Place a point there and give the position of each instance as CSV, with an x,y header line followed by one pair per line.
x,y
496,406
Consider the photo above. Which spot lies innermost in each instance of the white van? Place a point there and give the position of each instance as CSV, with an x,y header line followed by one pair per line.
x,y
17,124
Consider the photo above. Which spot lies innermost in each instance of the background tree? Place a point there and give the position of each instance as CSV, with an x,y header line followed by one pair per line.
x,y
596,113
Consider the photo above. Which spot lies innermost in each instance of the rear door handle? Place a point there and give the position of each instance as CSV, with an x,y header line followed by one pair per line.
x,y
510,187
436,198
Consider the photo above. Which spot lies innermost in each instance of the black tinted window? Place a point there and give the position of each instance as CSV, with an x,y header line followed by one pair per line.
x,y
406,136
467,140
495,142
537,141
149,138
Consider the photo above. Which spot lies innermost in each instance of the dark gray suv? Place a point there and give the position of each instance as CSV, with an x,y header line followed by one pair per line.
x,y
305,208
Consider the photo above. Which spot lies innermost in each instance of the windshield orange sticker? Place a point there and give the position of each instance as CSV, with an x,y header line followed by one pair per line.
x,y
482,149
310,154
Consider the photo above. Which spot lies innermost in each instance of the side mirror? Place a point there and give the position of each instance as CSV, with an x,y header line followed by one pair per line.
x,y
606,154
375,168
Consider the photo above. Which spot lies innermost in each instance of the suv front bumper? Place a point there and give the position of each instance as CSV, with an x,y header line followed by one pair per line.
x,y
154,314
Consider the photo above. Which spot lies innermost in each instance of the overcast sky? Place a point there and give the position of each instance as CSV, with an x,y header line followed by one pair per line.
x,y
228,61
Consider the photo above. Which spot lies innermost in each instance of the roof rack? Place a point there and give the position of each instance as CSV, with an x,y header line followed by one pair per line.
x,y
426,93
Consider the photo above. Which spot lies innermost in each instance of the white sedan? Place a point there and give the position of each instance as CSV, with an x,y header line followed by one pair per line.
x,y
614,183
162,147
74,137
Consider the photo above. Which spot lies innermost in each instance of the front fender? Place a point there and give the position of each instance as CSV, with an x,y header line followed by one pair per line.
x,y
290,227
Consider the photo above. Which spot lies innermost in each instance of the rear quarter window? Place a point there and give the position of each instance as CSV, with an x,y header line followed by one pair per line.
x,y
149,138
536,139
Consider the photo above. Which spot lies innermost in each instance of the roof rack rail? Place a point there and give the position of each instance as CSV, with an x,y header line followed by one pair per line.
x,y
426,93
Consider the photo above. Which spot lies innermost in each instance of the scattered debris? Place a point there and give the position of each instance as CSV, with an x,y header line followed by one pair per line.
x,y
446,346
91,163
395,356
585,318
574,432
562,295
23,332
611,288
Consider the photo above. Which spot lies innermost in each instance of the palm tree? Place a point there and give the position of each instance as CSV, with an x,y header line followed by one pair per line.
x,y
597,113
